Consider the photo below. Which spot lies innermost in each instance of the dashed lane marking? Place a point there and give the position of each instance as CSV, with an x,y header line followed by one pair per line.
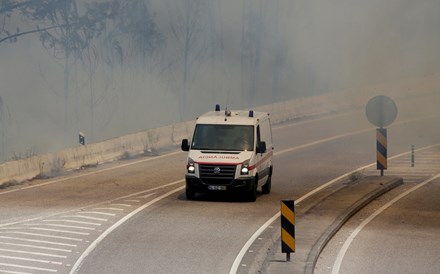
x,y
78,222
60,231
29,267
36,241
41,235
125,205
37,247
109,208
29,260
95,243
63,226
33,253
147,195
74,222
98,212
85,217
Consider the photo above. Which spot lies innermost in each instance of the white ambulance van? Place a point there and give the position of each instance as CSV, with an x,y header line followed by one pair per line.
x,y
230,151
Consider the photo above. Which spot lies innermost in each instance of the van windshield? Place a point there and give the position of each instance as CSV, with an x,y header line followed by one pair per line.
x,y
223,137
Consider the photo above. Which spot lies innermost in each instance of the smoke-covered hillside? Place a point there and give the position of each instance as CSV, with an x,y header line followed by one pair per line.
x,y
108,68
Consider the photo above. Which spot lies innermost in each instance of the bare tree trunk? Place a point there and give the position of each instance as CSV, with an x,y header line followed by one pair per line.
x,y
66,95
251,45
188,30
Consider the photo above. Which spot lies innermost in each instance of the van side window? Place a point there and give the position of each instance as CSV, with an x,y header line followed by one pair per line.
x,y
266,133
258,135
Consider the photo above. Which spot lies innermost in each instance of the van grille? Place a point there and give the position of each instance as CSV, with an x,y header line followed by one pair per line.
x,y
217,174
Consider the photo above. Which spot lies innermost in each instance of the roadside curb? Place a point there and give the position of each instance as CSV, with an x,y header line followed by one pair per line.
x,y
317,214
343,218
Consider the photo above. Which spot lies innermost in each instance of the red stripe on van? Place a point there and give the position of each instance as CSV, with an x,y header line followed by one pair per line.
x,y
261,161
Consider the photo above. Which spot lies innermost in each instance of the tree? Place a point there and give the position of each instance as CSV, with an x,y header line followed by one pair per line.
x,y
4,118
133,34
188,35
65,29
253,31
8,8
280,50
73,36
130,45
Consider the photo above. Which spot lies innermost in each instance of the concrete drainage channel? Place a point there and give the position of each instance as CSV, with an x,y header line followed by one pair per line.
x,y
317,221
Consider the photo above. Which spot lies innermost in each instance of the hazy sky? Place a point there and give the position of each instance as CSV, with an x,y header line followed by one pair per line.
x,y
245,53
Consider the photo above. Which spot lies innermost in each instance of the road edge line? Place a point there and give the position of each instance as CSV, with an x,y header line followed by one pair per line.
x,y
95,243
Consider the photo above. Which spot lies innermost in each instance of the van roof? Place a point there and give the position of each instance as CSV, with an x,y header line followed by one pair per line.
x,y
236,117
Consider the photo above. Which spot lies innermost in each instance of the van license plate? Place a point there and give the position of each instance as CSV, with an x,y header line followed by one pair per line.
x,y
217,187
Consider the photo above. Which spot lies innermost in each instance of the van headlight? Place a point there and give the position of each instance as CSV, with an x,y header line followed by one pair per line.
x,y
244,168
190,167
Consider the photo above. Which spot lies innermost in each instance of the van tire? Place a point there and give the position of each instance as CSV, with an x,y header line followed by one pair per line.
x,y
268,185
252,194
190,194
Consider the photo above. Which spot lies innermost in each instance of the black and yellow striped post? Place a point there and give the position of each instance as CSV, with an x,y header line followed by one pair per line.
x,y
381,149
287,227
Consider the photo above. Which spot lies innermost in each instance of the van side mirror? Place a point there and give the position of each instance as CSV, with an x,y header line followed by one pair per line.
x,y
261,147
185,145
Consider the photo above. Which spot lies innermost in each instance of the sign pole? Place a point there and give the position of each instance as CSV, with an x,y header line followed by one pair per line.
x,y
381,111
381,149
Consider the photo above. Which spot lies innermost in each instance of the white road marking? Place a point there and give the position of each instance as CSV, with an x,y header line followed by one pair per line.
x,y
29,260
346,135
29,267
93,218
147,195
98,212
64,226
88,206
42,235
257,233
347,243
8,228
33,253
60,231
36,241
74,222
125,205
85,217
109,208
37,247
13,272
167,155
132,201
95,243
93,172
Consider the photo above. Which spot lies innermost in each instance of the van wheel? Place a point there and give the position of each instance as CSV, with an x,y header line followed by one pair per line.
x,y
267,186
252,195
190,194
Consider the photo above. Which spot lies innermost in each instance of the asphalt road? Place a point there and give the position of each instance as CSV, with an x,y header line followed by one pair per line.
x,y
397,233
134,218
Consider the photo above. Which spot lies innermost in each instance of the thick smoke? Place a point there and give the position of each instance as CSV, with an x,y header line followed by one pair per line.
x,y
237,53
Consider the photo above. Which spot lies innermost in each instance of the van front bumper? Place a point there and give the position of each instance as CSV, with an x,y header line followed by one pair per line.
x,y
199,185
